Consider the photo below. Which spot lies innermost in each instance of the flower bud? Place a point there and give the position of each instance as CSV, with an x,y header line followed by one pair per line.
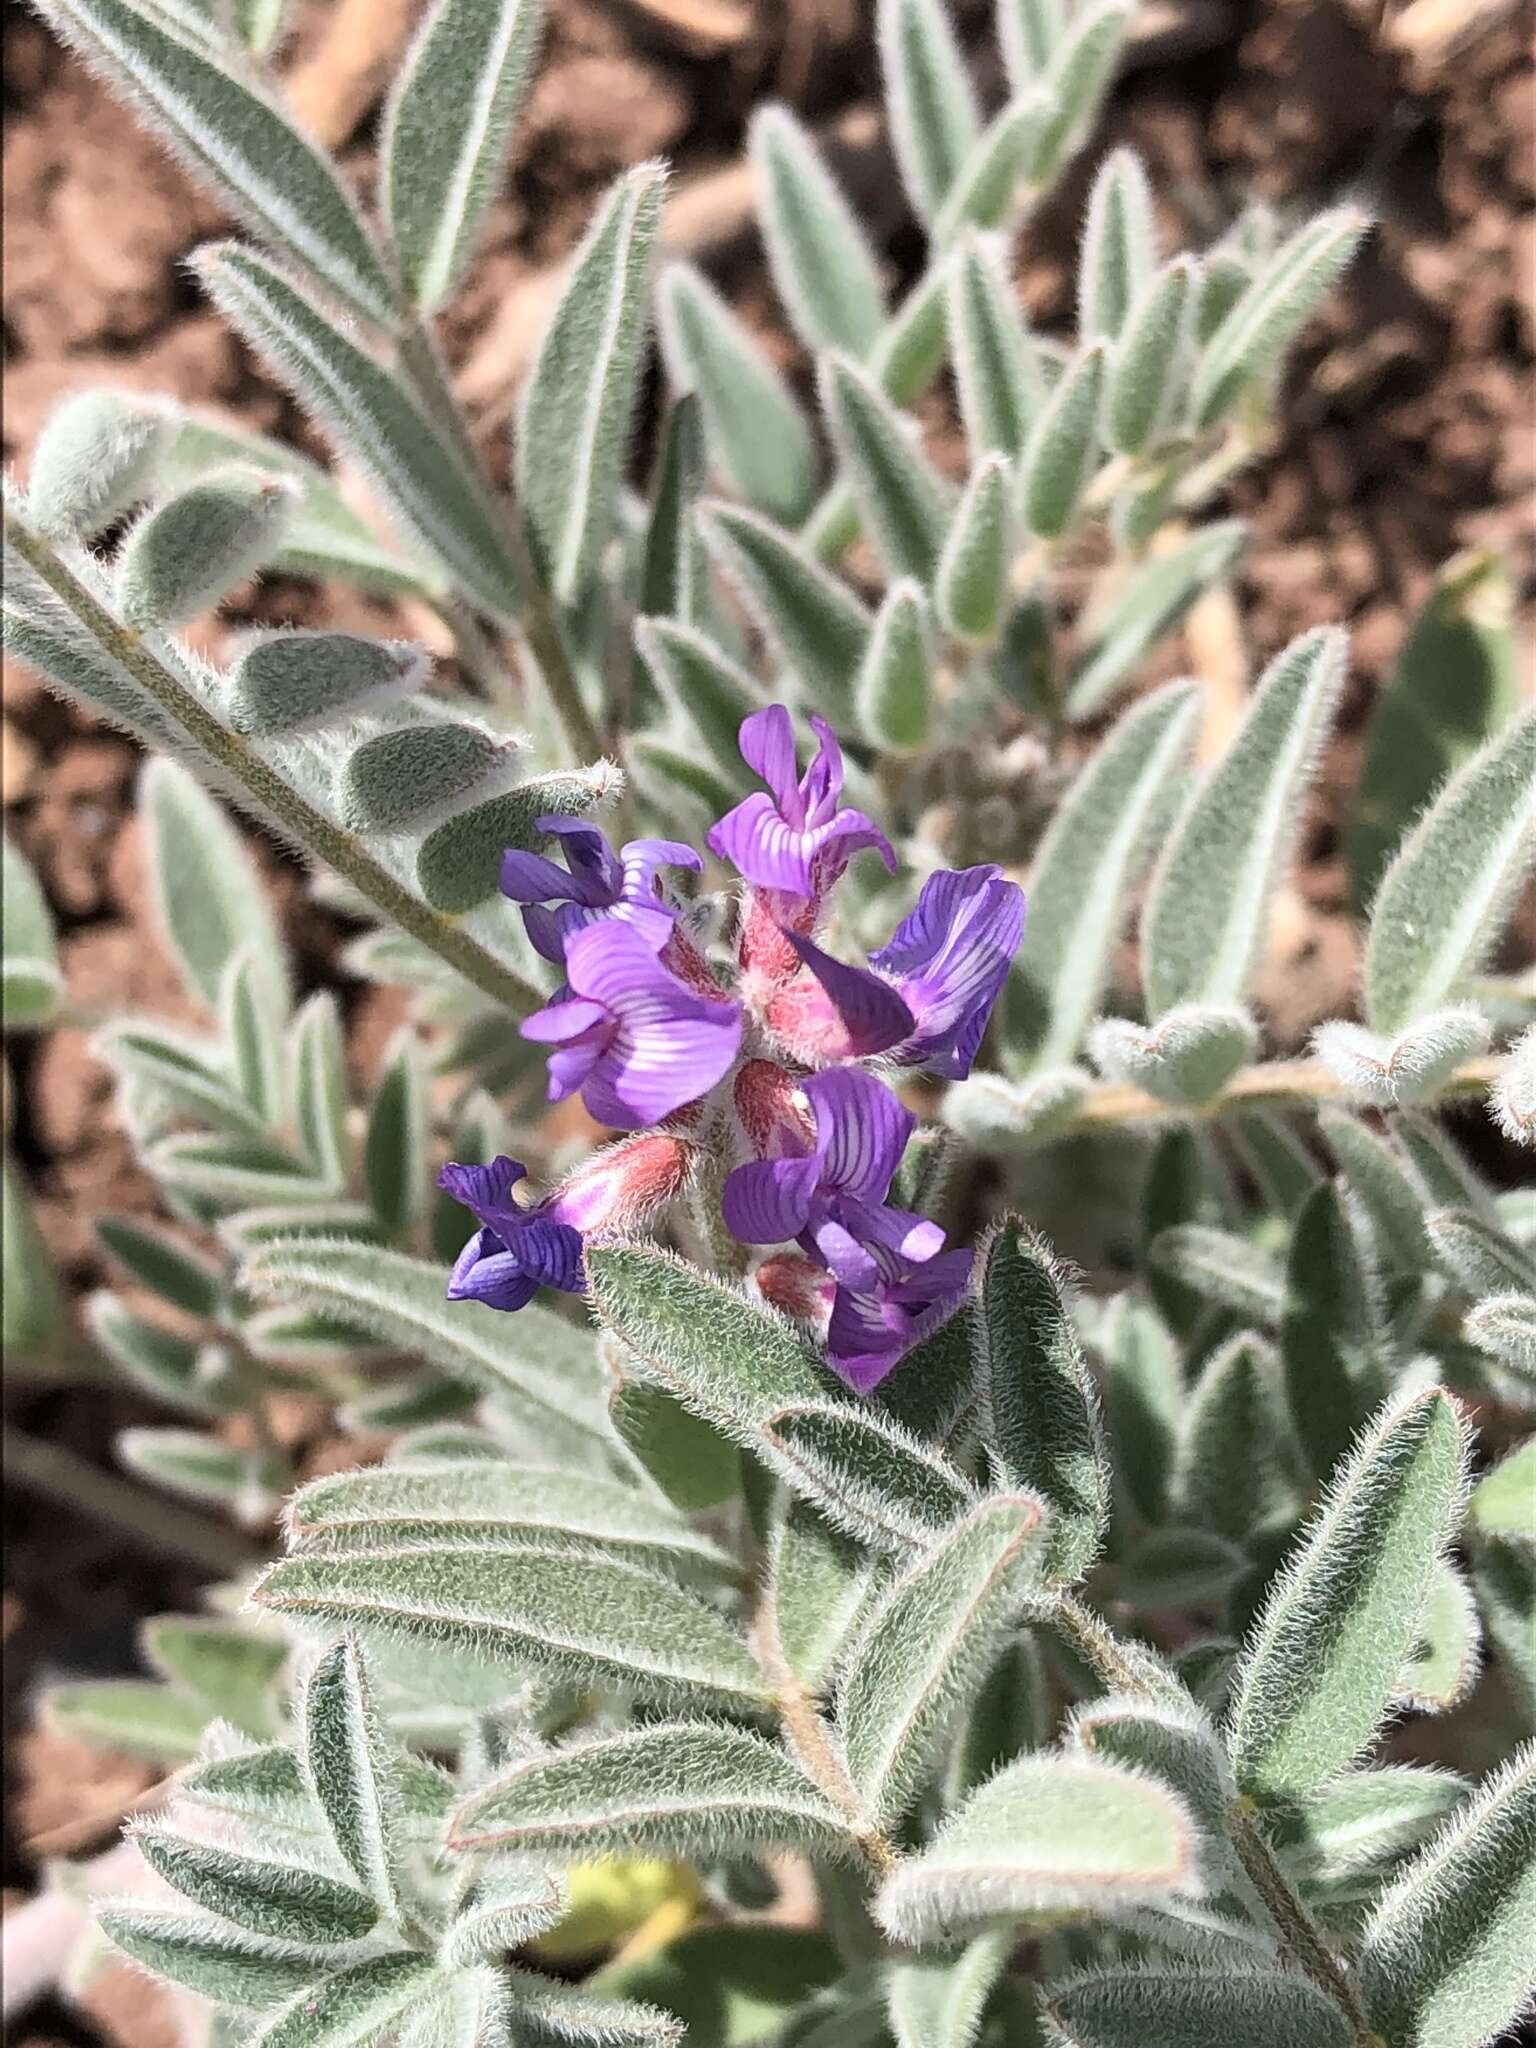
x,y
627,1185
769,1102
796,1285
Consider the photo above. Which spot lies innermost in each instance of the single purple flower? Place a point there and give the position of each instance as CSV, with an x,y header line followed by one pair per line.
x,y
516,1250
871,1329
634,1040
946,963
797,839
596,882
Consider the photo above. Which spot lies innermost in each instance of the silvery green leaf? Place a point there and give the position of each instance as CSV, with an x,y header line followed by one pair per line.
x,y
677,783
818,1580
1197,2008
231,1671
932,1391
1342,1616
1207,915
1006,1116
1185,1058
1123,626
939,2001
815,622
198,1467
693,1464
1064,444
190,552
755,431
1220,1266
248,1228
32,984
1504,1571
1480,1259
501,1910
230,1171
1253,337
1043,1420
1078,79
1093,857
1143,1397
157,1722
490,1501
252,1028
1014,1711
1365,1819
576,405
905,505
351,1771
1504,1326
994,185
1175,1743
865,1472
318,1082
412,777
1443,899
365,408
671,1789
822,263
582,1614
1232,1473
234,135
674,576
299,680
1335,1339
98,454
927,1648
1413,1067
1030,33
1445,1176
283,1901
186,1075
1512,1102
471,2008
893,692
928,97
458,864
163,1264
693,677
208,1956
543,1369
1382,1185
446,128
162,1362
1282,1166
355,2007
1118,253
1447,1657
1050,1833
971,578
1446,1960
1179,1568
998,378
550,2014
395,1157
1503,1502
1150,367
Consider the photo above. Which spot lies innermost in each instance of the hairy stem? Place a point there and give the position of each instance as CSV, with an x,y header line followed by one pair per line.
x,y
1298,1930
1274,1083
269,792
1095,1642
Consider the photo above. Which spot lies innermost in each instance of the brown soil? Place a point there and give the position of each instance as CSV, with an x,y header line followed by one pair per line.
x,y
1408,433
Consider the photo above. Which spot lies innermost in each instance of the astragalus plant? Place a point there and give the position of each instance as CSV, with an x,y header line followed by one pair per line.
x,y
1055,1657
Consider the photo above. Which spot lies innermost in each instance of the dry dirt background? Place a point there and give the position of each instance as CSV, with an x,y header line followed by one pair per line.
x,y
1408,434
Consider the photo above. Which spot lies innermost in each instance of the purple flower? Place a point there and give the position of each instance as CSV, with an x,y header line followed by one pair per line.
x,y
797,839
826,1192
932,990
633,1039
516,1251
596,882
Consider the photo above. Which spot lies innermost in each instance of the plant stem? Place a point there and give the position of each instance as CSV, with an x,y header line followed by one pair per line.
x,y
1094,1641
1275,1083
273,797
1295,1923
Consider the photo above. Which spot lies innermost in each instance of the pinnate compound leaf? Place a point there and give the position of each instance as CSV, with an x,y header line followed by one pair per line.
x,y
1342,1618
758,440
928,1647
1197,2008
576,405
905,504
356,2007
233,135
208,1956
283,1901
815,622
1207,914
676,1789
1044,1421
351,1768
822,263
932,112
1447,1959
939,2001
1094,855
450,113
584,1615
1051,1832
1441,902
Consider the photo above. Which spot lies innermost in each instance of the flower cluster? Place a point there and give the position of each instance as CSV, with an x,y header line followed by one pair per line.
x,y
778,1071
